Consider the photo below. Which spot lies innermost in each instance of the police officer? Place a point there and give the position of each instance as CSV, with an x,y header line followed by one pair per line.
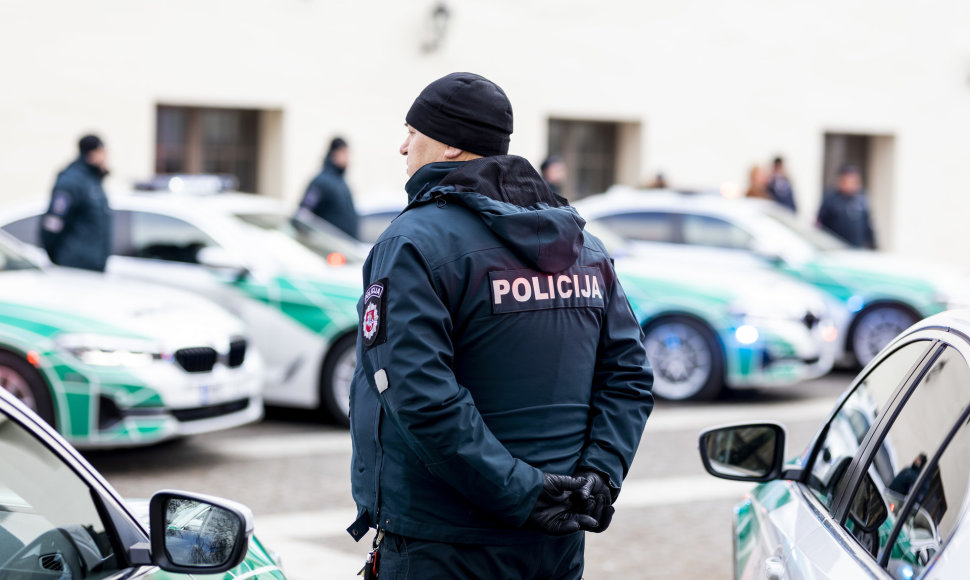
x,y
844,210
328,195
76,230
502,385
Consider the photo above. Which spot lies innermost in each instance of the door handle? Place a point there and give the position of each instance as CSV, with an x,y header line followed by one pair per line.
x,y
774,568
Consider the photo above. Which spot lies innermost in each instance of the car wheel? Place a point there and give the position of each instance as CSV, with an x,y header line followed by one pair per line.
x,y
21,379
686,359
338,373
875,327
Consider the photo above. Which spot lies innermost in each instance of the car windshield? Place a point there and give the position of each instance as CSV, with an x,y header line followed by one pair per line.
x,y
819,240
311,232
10,259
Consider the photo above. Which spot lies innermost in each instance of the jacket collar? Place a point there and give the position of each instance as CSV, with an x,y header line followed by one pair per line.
x,y
428,177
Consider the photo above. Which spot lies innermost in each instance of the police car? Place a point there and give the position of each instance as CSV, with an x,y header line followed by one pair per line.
x,y
294,284
113,362
882,491
884,294
705,331
62,520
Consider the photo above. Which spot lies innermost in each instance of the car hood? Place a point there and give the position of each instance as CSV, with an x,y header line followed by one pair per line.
x,y
753,288
67,300
877,273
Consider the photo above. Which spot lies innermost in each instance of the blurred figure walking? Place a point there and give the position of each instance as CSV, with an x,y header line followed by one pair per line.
x,y
328,195
779,186
76,230
845,210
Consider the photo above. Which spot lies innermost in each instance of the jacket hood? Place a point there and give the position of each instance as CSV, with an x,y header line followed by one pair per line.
x,y
514,203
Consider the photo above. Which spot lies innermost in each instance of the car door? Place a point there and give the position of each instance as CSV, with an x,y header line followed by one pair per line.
x,y
793,529
918,466
165,249
54,522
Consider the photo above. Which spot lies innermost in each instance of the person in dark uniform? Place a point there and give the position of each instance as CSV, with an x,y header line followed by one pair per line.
x,y
845,210
502,385
328,195
554,172
779,186
76,230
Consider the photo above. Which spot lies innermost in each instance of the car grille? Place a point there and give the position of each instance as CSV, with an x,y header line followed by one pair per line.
x,y
237,353
199,359
210,411
810,320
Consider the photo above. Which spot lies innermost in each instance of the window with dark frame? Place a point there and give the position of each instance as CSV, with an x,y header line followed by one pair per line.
x,y
208,140
589,150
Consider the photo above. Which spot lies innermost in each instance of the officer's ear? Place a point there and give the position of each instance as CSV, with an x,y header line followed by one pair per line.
x,y
453,153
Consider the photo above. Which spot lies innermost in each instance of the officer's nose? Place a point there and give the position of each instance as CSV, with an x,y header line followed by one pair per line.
x,y
404,148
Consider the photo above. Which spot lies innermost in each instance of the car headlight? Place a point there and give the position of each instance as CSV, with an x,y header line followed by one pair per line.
x,y
110,351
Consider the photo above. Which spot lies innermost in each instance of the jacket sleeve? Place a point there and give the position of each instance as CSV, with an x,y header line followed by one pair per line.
x,y
622,396
422,398
63,206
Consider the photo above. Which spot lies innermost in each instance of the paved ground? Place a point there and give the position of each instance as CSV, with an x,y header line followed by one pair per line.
x,y
672,520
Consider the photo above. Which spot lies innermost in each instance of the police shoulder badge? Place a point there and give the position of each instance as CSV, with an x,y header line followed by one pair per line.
x,y
373,323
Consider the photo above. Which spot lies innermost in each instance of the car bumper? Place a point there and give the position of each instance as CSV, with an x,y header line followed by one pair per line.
x,y
99,408
784,353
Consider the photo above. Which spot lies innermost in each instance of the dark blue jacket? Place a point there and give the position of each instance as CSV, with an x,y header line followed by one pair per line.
x,y
496,344
329,198
76,230
847,216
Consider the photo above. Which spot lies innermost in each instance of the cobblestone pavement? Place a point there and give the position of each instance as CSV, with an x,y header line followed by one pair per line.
x,y
672,520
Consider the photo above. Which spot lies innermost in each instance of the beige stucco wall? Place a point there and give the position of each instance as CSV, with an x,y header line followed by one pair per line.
x,y
715,86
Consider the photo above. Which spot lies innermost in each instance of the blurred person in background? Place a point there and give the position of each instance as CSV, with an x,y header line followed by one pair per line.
x,y
758,183
845,210
779,186
502,385
554,173
76,230
658,182
328,195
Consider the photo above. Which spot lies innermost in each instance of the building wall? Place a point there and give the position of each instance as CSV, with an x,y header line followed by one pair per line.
x,y
714,86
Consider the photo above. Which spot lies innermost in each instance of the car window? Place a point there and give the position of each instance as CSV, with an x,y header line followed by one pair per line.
x,y
161,237
372,225
26,230
860,411
914,437
701,230
645,226
49,524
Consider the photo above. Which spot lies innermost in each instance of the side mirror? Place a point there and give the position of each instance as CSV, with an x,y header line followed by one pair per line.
x,y
753,452
220,259
198,534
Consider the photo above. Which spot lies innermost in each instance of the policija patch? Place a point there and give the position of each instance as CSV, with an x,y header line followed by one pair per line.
x,y
373,323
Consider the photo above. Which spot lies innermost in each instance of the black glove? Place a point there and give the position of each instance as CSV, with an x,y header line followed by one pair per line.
x,y
555,511
597,498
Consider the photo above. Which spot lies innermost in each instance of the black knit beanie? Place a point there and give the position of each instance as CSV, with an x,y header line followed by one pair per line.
x,y
89,143
466,111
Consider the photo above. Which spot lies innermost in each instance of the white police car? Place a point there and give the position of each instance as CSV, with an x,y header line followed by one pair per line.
x,y
295,286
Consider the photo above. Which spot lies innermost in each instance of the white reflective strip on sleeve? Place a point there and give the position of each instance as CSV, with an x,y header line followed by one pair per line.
x,y
380,379
53,224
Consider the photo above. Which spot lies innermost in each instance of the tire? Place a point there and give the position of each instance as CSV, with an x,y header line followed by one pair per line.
x,y
338,373
875,327
23,381
686,358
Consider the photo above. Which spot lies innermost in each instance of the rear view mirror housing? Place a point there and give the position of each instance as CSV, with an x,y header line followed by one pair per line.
x,y
751,452
198,534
